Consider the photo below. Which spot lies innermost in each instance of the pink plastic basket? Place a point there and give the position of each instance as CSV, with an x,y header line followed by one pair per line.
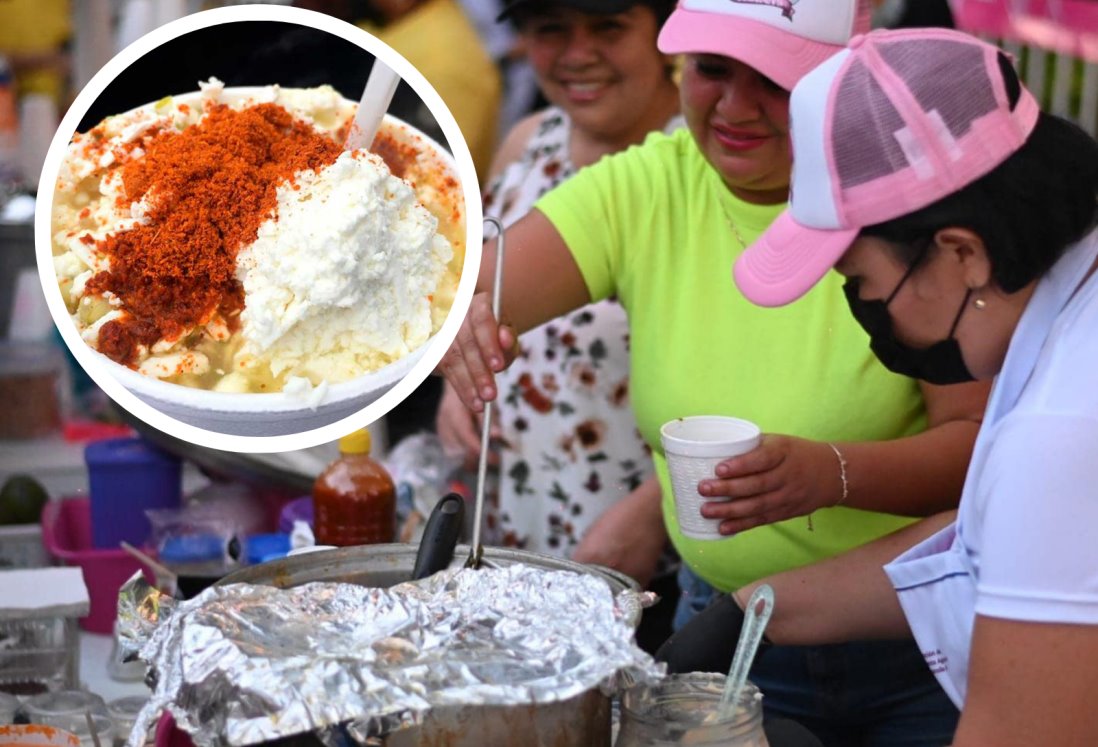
x,y
66,533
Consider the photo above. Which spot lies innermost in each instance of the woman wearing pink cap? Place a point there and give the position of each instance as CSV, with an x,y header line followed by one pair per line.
x,y
658,227
965,223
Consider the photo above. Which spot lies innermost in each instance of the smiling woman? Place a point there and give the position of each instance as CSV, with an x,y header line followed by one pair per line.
x,y
740,119
603,69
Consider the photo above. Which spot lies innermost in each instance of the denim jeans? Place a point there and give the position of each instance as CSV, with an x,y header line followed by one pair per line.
x,y
861,694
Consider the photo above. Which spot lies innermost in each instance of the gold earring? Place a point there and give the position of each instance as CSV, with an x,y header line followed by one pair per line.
x,y
980,303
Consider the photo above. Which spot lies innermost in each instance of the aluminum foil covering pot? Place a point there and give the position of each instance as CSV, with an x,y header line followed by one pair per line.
x,y
243,663
389,564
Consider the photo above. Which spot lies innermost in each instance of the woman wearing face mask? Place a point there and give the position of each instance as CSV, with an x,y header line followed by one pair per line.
x,y
597,62
659,226
965,222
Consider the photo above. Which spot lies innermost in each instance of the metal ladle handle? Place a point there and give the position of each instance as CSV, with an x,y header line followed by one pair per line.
x,y
476,551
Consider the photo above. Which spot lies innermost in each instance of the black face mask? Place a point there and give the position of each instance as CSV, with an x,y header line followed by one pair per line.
x,y
941,363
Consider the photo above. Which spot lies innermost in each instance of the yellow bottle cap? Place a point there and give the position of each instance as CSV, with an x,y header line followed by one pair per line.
x,y
355,443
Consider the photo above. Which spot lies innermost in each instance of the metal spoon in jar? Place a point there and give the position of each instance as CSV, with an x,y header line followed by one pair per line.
x,y
476,550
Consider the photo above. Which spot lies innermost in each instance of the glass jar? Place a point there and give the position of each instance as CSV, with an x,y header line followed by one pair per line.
x,y
682,709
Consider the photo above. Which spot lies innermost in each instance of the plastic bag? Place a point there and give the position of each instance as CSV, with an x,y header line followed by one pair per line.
x,y
422,472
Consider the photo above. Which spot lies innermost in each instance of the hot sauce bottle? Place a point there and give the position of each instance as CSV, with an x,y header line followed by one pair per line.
x,y
354,499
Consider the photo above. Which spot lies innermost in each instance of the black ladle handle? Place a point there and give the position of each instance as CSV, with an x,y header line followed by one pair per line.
x,y
440,536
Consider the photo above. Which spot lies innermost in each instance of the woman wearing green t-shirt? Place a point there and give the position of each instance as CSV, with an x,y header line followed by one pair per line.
x,y
659,227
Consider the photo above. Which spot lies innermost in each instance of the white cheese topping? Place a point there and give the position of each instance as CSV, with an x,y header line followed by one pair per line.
x,y
340,279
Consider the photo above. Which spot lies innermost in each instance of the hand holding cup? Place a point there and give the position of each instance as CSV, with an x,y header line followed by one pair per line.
x,y
694,447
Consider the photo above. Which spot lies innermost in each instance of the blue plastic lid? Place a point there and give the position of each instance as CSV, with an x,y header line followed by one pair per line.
x,y
193,548
259,548
124,451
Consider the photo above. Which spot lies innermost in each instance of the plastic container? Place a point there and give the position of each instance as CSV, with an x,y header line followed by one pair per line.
x,y
354,499
31,386
682,709
198,560
9,704
259,548
77,723
68,710
35,735
42,707
21,547
123,713
41,654
66,533
127,476
299,509
39,640
194,554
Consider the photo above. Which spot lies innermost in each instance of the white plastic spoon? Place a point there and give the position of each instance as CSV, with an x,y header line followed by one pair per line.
x,y
756,616
376,97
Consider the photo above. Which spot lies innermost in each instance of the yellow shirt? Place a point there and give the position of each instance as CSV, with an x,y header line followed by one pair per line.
x,y
650,225
32,27
440,42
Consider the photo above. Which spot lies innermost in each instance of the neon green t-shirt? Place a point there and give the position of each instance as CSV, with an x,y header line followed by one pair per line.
x,y
651,226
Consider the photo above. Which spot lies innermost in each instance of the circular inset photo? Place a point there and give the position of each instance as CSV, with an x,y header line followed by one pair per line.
x,y
231,255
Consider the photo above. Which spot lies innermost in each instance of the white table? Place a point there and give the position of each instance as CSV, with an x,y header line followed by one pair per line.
x,y
95,652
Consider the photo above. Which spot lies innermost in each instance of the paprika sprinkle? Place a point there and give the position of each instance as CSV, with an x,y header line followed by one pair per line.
x,y
210,186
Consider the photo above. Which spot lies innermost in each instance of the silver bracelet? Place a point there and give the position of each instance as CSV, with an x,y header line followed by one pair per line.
x,y
842,475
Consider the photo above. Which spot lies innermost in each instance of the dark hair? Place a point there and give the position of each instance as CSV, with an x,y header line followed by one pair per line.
x,y
1027,211
661,9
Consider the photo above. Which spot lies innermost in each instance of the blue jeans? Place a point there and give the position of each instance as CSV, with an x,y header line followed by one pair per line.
x,y
862,694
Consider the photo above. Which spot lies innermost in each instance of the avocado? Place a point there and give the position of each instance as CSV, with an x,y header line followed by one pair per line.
x,y
21,500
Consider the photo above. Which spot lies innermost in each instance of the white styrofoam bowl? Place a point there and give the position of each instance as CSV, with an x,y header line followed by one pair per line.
x,y
278,413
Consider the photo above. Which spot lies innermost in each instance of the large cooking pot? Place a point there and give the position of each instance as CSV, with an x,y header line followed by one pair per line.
x,y
583,721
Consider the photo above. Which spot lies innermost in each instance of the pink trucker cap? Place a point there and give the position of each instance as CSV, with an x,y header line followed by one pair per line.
x,y
782,39
892,124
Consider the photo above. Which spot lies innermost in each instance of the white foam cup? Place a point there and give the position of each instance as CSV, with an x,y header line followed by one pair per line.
x,y
694,447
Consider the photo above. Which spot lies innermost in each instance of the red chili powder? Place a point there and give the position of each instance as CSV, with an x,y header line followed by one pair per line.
x,y
212,184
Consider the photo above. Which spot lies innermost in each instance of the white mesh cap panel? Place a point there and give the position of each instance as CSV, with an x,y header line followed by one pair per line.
x,y
813,202
863,134
923,65
828,21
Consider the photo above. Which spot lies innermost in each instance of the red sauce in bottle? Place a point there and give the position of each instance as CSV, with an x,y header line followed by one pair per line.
x,y
354,499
